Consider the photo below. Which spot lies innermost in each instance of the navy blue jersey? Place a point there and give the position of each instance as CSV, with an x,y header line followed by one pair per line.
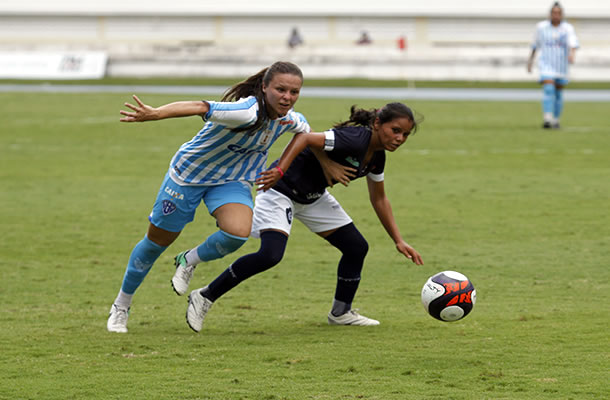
x,y
304,182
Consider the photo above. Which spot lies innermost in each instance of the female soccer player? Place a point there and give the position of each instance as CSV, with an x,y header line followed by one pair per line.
x,y
557,43
217,166
359,144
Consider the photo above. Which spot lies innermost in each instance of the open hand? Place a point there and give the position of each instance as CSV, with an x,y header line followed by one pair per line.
x,y
141,112
410,253
335,172
267,179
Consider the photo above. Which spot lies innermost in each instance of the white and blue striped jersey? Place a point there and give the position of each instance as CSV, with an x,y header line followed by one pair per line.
x,y
217,154
554,44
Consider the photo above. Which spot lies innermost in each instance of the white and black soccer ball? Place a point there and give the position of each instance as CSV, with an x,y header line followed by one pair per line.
x,y
448,296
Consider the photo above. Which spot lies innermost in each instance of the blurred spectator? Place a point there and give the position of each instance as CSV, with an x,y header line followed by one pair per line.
x,y
364,38
295,38
402,43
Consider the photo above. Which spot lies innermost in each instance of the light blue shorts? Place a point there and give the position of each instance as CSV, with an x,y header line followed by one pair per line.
x,y
557,81
176,205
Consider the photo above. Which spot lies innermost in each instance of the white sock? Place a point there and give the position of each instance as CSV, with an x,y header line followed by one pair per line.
x,y
548,117
123,299
192,257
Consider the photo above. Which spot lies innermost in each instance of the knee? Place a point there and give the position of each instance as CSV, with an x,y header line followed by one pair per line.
x,y
273,246
360,247
234,219
349,241
160,236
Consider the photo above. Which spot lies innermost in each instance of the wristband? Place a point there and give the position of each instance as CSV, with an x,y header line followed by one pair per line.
x,y
279,169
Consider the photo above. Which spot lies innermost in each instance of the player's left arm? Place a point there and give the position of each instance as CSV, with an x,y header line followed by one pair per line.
x,y
383,209
572,44
572,55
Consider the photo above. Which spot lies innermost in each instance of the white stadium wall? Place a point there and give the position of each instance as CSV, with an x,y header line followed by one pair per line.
x,y
485,40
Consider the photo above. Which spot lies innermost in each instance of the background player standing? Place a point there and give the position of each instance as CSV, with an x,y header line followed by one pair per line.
x,y
557,43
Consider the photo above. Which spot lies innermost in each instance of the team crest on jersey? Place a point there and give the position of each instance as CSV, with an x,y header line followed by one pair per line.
x,y
289,215
265,137
168,207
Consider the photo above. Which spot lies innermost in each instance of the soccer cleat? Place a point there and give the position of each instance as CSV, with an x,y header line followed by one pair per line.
x,y
555,125
197,309
117,320
182,276
546,125
351,318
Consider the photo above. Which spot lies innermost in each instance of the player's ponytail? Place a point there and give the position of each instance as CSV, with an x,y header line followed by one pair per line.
x,y
359,117
389,112
253,86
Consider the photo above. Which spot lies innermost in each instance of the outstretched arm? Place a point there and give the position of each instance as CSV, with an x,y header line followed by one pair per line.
x,y
383,209
142,112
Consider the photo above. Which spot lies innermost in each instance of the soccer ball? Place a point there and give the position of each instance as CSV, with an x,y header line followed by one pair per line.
x,y
448,296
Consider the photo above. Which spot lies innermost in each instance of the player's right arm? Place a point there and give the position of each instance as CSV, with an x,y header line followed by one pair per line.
x,y
530,62
143,112
535,44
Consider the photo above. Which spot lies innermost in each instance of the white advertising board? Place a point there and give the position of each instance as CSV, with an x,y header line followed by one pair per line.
x,y
53,65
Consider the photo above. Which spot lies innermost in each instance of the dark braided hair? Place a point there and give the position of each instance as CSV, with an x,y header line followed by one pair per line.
x,y
253,86
556,4
389,112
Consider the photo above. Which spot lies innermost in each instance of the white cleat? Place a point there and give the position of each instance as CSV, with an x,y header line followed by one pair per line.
x,y
117,320
182,276
351,318
197,309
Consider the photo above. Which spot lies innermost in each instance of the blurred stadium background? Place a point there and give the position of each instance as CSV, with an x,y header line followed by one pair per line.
x,y
424,40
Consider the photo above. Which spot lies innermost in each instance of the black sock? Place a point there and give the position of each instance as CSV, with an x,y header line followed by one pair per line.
x,y
354,248
270,253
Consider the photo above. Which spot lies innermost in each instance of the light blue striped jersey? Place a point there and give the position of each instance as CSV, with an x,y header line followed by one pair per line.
x,y
554,44
217,154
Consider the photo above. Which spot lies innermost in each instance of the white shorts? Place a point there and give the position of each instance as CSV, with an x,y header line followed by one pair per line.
x,y
273,210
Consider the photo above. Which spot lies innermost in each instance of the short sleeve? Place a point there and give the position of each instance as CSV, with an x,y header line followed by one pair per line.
x,y
377,167
572,39
329,140
537,37
233,114
300,123
375,177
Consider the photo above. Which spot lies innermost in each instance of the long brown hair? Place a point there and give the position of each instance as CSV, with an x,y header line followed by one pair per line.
x,y
253,86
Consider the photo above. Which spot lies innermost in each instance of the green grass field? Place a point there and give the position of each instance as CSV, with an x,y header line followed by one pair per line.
x,y
480,189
